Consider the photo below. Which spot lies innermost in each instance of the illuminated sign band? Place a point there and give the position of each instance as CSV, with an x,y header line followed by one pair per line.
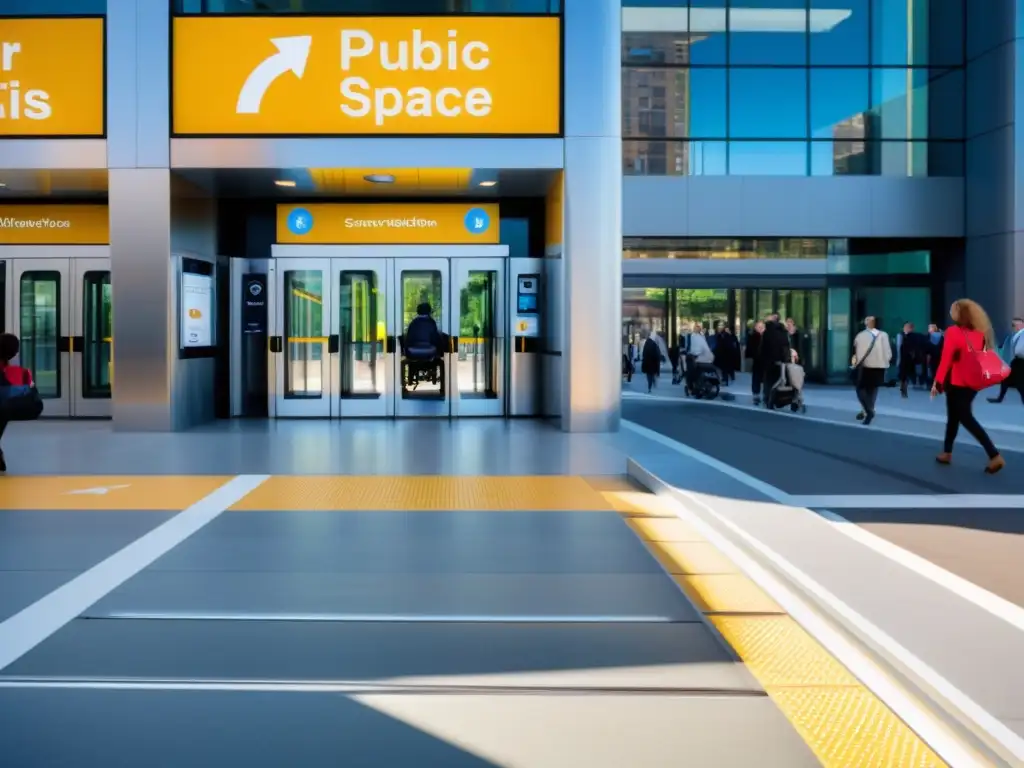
x,y
54,225
52,74
385,223
355,75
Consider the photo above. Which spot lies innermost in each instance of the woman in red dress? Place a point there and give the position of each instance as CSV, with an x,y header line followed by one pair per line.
x,y
971,332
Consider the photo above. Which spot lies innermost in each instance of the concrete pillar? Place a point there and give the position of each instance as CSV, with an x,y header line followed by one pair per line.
x,y
592,253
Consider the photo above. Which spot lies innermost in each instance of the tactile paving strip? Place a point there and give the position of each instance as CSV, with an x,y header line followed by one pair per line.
x,y
844,724
110,492
366,493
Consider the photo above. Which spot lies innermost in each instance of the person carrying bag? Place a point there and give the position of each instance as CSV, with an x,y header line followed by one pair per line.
x,y
969,364
19,398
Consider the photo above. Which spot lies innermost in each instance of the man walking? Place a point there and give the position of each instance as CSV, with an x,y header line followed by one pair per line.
x,y
872,354
1013,353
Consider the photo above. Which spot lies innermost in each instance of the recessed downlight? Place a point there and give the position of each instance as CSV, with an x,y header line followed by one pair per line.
x,y
490,183
379,178
284,183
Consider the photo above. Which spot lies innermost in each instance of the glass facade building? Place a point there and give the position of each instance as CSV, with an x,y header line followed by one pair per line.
x,y
806,157
793,87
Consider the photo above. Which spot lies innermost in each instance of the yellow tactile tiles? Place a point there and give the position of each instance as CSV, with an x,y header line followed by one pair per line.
x,y
114,492
841,721
363,493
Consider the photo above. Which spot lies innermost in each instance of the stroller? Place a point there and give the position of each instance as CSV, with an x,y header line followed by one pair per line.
x,y
788,390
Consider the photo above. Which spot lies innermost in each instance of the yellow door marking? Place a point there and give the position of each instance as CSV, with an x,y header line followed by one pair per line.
x,y
367,493
143,492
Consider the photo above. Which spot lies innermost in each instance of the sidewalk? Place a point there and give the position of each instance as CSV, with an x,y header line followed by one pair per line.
x,y
918,414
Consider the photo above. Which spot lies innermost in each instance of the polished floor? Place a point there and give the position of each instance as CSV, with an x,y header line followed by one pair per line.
x,y
161,608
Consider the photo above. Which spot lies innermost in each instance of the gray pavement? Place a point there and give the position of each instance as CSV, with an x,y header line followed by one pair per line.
x,y
425,637
957,629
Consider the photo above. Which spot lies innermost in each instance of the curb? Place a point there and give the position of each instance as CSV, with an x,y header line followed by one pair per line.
x,y
936,720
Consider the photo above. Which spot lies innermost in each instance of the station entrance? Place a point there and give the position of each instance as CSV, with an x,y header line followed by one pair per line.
x,y
338,318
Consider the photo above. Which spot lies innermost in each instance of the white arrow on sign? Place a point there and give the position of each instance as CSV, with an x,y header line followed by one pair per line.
x,y
292,53
101,491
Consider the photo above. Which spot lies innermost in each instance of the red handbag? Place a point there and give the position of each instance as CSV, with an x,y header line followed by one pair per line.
x,y
982,369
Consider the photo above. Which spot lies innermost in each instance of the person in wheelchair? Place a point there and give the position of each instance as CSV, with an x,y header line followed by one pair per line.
x,y
424,346
699,361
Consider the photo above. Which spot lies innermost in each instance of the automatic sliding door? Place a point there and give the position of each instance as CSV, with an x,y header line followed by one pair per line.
x,y
92,331
423,363
478,319
41,315
360,321
302,320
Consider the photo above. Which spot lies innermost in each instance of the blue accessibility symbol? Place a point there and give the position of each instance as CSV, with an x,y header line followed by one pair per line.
x,y
477,221
300,221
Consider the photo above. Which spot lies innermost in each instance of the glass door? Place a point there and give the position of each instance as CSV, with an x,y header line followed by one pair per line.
x,y
301,343
92,338
41,313
360,321
423,358
478,322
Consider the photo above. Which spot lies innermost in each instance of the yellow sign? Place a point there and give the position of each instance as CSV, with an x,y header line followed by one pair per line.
x,y
54,225
383,224
398,75
52,75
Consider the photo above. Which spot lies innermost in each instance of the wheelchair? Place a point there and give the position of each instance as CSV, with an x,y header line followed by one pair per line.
x,y
703,381
422,365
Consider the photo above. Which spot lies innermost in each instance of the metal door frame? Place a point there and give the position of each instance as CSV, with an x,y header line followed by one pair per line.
x,y
415,407
280,405
460,268
364,407
72,261
394,255
85,407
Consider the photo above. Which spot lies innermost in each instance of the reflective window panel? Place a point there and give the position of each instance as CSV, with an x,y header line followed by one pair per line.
x,y
362,335
303,329
97,338
40,297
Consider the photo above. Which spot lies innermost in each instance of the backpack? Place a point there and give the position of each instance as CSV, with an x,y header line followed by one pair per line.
x,y
18,402
983,368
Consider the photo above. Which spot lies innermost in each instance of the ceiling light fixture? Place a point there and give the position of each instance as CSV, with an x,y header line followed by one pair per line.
x,y
285,183
487,183
380,178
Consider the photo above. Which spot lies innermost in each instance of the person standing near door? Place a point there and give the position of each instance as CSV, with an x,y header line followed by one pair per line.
x,y
872,354
970,333
1013,353
12,376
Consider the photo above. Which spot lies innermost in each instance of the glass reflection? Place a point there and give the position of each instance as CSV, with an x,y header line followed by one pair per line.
x,y
768,103
899,32
707,32
839,99
768,158
673,103
673,158
768,32
899,103
52,7
839,32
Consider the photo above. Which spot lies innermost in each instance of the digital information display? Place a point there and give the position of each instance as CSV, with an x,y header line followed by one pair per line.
x,y
196,310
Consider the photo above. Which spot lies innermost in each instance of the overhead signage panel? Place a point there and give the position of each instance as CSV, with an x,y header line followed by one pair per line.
x,y
54,225
355,75
52,75
383,224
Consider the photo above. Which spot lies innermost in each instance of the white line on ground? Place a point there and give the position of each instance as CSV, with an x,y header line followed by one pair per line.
x,y
993,603
393,618
919,719
851,424
913,501
25,630
999,607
